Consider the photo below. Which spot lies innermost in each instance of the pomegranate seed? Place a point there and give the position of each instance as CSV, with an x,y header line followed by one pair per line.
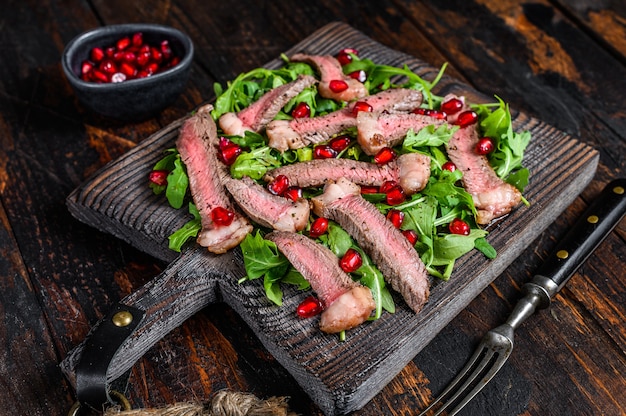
x,y
359,75
318,227
361,106
118,56
338,85
323,151
159,177
173,62
166,50
156,54
395,195
309,307
222,216
99,76
152,68
97,54
137,39
452,106
449,166
340,143
294,193
109,52
458,226
143,58
440,115
142,74
229,151
384,155
370,189
387,186
410,235
396,217
118,77
467,118
279,185
351,261
122,43
130,56
108,66
86,67
128,70
484,146
344,56
301,110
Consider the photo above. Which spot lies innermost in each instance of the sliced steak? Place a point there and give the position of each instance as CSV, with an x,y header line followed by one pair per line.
x,y
492,196
375,131
389,249
197,145
300,132
256,116
347,303
410,170
266,209
330,69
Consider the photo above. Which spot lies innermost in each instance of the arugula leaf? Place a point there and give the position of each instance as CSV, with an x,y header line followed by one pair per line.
x,y
429,136
254,163
177,184
187,231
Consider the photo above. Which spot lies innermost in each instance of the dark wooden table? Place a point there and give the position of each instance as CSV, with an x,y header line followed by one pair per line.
x,y
563,62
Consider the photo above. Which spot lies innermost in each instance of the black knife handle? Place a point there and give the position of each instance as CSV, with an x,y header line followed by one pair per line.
x,y
596,223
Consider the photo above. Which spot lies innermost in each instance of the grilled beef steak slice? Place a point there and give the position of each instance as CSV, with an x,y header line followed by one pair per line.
x,y
389,249
256,116
375,131
347,304
266,209
197,145
330,70
300,132
410,170
492,196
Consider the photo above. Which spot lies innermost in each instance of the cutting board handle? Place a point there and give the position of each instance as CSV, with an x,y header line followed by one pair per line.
x,y
141,319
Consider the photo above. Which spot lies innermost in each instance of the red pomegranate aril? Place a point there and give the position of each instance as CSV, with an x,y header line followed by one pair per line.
x,y
293,193
466,118
143,58
396,217
387,186
395,196
458,226
108,66
384,155
152,68
318,227
166,50
452,106
99,76
109,51
97,54
302,110
159,177
410,235
222,216
340,143
351,261
344,56
156,54
361,106
173,62
142,74
484,146
129,56
439,115
86,67
359,75
279,185
338,85
366,189
137,39
309,307
229,151
323,151
128,69
122,43
449,166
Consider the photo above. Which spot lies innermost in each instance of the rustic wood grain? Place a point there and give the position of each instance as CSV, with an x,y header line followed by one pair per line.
x,y
49,145
117,201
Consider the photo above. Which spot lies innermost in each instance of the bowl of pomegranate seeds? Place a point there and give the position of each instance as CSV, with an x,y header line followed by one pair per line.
x,y
128,71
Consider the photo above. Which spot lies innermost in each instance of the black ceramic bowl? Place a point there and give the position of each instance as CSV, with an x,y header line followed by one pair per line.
x,y
134,98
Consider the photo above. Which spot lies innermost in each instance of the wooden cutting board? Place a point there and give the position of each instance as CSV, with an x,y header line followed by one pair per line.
x,y
339,376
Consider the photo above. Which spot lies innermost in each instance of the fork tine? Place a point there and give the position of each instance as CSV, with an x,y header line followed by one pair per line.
x,y
460,377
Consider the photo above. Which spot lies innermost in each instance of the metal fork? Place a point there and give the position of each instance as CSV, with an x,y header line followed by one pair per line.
x,y
587,233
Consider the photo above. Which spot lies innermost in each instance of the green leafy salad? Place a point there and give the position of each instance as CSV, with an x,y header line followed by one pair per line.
x,y
427,214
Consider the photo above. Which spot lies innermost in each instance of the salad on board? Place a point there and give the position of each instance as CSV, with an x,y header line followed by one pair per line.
x,y
344,177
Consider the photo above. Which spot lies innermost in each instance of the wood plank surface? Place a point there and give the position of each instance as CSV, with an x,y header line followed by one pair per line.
x,y
117,201
560,62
